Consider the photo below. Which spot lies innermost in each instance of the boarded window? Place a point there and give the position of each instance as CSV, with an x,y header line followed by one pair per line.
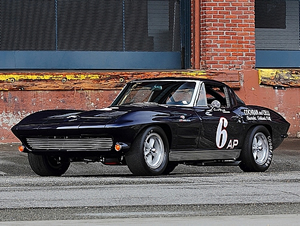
x,y
90,25
270,14
281,33
27,25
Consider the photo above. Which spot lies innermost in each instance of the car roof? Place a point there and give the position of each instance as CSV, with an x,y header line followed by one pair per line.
x,y
180,79
204,80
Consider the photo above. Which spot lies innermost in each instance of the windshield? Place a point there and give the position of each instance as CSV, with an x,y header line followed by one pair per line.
x,y
160,92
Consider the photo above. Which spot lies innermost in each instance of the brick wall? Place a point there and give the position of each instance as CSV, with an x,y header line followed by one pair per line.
x,y
227,34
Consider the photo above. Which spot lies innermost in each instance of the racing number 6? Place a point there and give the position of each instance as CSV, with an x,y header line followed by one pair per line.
x,y
221,136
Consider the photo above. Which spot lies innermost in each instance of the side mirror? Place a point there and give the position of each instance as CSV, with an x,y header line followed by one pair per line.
x,y
215,104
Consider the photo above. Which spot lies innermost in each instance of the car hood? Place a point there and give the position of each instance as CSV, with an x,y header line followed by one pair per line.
x,y
58,122
54,118
102,115
51,119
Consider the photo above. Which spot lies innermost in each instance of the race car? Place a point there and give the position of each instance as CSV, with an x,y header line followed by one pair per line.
x,y
152,126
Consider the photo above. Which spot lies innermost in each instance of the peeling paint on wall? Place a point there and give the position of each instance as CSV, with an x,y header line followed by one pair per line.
x,y
9,119
15,104
42,81
279,78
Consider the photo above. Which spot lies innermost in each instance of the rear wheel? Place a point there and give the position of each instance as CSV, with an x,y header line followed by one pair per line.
x,y
170,167
149,152
257,150
45,165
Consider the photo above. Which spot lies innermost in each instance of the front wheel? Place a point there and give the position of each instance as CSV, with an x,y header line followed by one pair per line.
x,y
149,153
45,165
257,150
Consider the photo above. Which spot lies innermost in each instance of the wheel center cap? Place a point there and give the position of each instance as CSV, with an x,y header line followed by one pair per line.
x,y
153,150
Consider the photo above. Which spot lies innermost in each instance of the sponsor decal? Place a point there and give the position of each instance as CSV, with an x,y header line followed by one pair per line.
x,y
210,111
222,135
270,154
257,115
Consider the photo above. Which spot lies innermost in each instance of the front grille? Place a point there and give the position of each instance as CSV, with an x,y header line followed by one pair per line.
x,y
75,144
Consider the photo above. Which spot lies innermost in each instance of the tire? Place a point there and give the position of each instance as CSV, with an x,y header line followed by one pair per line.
x,y
257,152
45,165
149,153
170,167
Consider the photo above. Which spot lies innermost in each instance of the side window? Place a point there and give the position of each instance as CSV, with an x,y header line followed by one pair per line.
x,y
182,95
219,93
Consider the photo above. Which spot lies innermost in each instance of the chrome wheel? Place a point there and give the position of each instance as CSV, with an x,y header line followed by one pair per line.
x,y
260,148
149,153
257,150
154,150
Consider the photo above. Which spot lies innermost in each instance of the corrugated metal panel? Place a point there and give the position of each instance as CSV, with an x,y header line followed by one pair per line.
x,y
90,25
281,39
27,25
90,34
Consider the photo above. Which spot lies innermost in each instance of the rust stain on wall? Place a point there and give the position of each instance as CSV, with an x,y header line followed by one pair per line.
x,y
22,93
280,77
78,80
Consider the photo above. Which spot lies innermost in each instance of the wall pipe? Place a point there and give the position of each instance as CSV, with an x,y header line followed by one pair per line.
x,y
197,35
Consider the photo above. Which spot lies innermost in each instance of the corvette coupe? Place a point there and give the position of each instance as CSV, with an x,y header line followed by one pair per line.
x,y
152,126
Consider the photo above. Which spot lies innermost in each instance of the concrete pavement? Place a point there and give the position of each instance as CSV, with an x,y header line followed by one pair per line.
x,y
249,220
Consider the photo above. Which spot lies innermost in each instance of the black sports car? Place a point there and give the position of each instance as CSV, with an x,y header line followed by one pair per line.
x,y
152,126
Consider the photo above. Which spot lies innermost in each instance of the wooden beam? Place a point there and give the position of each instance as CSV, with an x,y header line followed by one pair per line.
x,y
35,81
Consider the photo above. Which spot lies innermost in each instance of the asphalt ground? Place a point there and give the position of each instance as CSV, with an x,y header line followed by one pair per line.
x,y
14,166
13,163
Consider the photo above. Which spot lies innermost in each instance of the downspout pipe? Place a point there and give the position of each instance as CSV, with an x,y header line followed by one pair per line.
x,y
197,35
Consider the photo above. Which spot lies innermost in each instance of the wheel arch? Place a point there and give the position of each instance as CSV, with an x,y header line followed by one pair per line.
x,y
268,127
166,128
168,132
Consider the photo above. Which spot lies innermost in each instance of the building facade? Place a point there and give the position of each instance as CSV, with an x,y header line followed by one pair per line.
x,y
80,53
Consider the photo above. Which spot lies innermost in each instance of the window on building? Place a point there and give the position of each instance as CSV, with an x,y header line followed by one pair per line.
x,y
277,33
270,14
113,26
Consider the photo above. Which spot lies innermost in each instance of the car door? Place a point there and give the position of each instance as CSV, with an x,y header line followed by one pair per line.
x,y
220,125
183,116
187,129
